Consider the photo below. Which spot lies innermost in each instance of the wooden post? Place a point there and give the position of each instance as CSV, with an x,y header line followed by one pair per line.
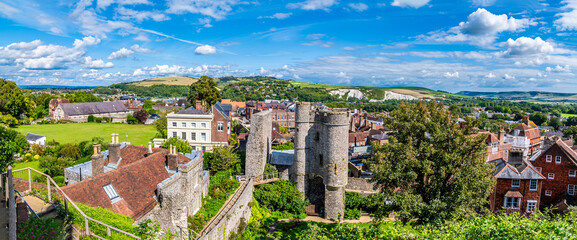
x,y
6,189
66,206
86,228
11,207
108,231
29,180
48,187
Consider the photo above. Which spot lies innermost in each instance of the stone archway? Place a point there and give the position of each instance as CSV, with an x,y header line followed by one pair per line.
x,y
316,194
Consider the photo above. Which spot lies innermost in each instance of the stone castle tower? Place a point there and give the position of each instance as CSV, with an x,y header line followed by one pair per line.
x,y
320,168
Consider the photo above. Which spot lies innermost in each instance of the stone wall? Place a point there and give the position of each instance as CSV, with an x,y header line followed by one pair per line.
x,y
258,146
238,213
360,185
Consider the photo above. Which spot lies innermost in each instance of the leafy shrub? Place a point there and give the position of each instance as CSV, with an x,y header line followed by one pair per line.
x,y
222,158
284,146
69,151
55,166
91,118
352,213
281,196
59,180
41,228
181,145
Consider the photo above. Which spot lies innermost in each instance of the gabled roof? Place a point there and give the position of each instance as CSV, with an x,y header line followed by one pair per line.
x,y
88,108
568,151
191,110
223,109
504,170
33,137
135,181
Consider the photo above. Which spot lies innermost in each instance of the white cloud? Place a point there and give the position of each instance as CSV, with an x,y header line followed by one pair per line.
x,y
525,46
86,41
567,20
138,48
483,3
508,77
559,69
451,75
98,63
8,10
279,16
121,54
217,9
313,4
481,28
103,4
205,50
211,70
490,75
315,36
139,16
319,43
91,24
410,3
359,7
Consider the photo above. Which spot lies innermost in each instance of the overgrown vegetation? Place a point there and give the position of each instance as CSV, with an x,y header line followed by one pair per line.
x,y
41,228
281,196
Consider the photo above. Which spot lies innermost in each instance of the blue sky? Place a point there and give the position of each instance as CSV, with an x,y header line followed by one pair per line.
x,y
478,45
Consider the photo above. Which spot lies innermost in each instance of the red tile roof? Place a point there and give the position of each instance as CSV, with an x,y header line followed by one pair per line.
x,y
135,181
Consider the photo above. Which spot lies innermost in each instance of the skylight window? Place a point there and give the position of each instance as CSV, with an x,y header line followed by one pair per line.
x,y
109,189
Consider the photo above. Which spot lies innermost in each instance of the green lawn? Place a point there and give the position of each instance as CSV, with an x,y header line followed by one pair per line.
x,y
33,164
78,132
568,115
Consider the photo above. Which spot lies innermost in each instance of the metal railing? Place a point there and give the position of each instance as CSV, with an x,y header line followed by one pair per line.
x,y
31,210
49,185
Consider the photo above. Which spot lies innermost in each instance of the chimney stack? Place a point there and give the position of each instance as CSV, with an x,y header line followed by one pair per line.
x,y
171,158
501,135
526,120
149,150
97,161
114,150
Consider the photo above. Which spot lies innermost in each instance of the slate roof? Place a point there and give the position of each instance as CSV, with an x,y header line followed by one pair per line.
x,y
190,110
33,137
224,110
135,180
568,151
88,108
285,157
505,170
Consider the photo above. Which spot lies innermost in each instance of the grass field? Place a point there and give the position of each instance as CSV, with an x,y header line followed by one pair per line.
x,y
568,115
179,81
78,132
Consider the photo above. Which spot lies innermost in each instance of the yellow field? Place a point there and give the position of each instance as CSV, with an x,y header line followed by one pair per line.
x,y
177,81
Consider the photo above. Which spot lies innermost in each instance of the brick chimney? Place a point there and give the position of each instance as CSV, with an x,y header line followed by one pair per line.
x,y
501,135
171,158
200,106
526,120
352,127
97,161
114,150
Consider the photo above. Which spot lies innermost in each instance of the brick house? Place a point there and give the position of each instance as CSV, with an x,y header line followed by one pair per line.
x,y
221,123
518,186
142,183
497,148
558,163
530,130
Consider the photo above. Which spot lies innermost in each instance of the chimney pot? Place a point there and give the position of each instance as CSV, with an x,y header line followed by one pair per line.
x,y
114,150
97,161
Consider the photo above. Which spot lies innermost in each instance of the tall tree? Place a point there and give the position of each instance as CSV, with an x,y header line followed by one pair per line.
x,y
432,168
204,90
11,143
12,100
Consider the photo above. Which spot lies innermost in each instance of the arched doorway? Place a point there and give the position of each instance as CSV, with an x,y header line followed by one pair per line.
x,y
316,196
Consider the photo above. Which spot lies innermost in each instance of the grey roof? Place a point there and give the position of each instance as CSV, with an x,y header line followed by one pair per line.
x,y
190,110
381,136
505,170
224,109
33,137
72,109
285,157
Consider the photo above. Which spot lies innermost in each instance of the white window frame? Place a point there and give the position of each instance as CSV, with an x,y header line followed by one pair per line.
x,y
572,173
571,189
193,136
220,126
548,193
183,124
174,134
531,184
203,137
193,125
551,176
203,125
515,183
174,124
512,202
548,158
557,159
111,192
531,206
183,135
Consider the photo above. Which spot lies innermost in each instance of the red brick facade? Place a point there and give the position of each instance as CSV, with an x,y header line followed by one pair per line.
x,y
284,118
503,186
220,127
557,186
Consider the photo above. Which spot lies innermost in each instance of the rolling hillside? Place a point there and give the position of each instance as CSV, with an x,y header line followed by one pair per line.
x,y
172,81
531,96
